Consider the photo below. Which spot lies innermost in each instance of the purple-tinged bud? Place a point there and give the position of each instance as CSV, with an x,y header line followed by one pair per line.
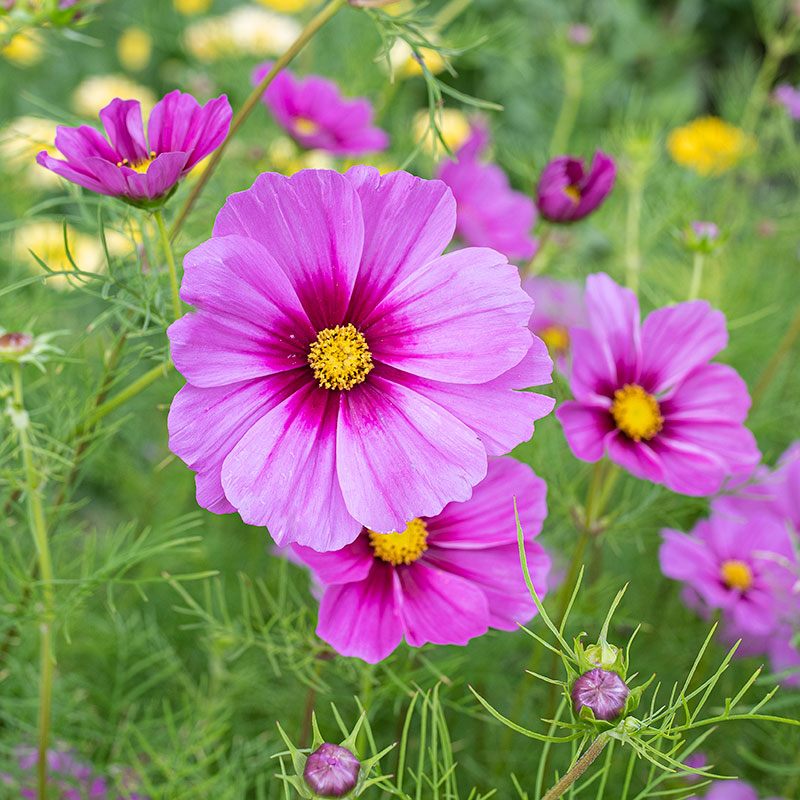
x,y
15,344
705,230
580,34
331,771
568,192
602,691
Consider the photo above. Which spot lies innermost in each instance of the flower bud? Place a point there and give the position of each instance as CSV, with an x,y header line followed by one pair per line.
x,y
602,691
569,191
13,345
702,237
331,771
580,34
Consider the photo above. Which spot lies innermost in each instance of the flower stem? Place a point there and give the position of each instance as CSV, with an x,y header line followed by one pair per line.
x,y
580,766
244,112
633,259
573,89
787,343
177,308
38,528
697,276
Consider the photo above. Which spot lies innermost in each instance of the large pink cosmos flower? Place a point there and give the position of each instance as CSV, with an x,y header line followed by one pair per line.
x,y
342,373
490,212
646,394
314,112
444,579
141,170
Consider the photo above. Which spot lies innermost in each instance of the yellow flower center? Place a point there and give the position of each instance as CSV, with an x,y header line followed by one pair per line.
x,y
556,338
305,127
636,413
139,166
401,548
737,575
340,357
574,192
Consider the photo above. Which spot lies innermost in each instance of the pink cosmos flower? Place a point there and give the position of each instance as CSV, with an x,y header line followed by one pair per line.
x,y
741,568
314,112
341,372
789,97
444,579
490,212
141,170
733,790
567,192
558,307
647,396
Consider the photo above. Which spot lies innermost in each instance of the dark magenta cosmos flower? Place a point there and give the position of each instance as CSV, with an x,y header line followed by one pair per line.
x,y
601,690
443,579
559,306
341,372
646,394
331,770
490,212
141,170
314,112
567,192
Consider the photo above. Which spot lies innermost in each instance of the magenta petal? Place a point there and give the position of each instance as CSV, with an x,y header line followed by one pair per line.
x,y
352,563
66,170
361,619
678,338
686,558
408,222
163,173
711,393
640,458
462,319
400,456
282,473
114,179
440,607
585,428
312,225
122,120
731,790
78,144
487,518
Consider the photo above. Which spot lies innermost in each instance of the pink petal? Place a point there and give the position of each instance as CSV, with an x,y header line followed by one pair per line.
x,y
163,173
462,319
585,428
400,456
122,120
711,393
350,564
639,458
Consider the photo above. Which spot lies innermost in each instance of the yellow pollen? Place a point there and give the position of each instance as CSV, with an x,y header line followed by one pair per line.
x,y
340,357
305,127
736,574
555,337
636,413
401,548
139,166
574,192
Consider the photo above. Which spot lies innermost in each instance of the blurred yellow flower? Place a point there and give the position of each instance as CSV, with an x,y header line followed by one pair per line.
x,y
247,30
20,141
134,47
453,124
46,239
286,6
98,91
188,7
404,65
709,145
24,49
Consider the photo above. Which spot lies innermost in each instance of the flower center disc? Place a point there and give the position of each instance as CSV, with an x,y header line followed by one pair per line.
x,y
138,166
573,192
305,127
636,413
401,548
737,575
556,338
340,357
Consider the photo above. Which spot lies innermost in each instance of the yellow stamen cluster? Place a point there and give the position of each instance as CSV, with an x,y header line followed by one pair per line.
x,y
573,192
340,357
401,548
139,166
556,338
736,575
709,145
636,413
305,127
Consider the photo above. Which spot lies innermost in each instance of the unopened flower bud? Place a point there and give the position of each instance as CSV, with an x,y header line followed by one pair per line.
x,y
331,771
705,230
602,691
15,344
580,34
702,237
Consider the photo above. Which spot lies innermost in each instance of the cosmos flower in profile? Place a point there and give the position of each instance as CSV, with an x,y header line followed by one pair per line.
x,y
313,111
567,191
142,170
490,212
646,394
341,372
443,579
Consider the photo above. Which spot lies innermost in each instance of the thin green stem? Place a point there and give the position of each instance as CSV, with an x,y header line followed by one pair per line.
x,y
776,50
177,308
786,345
573,89
38,526
697,276
580,766
244,112
633,258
